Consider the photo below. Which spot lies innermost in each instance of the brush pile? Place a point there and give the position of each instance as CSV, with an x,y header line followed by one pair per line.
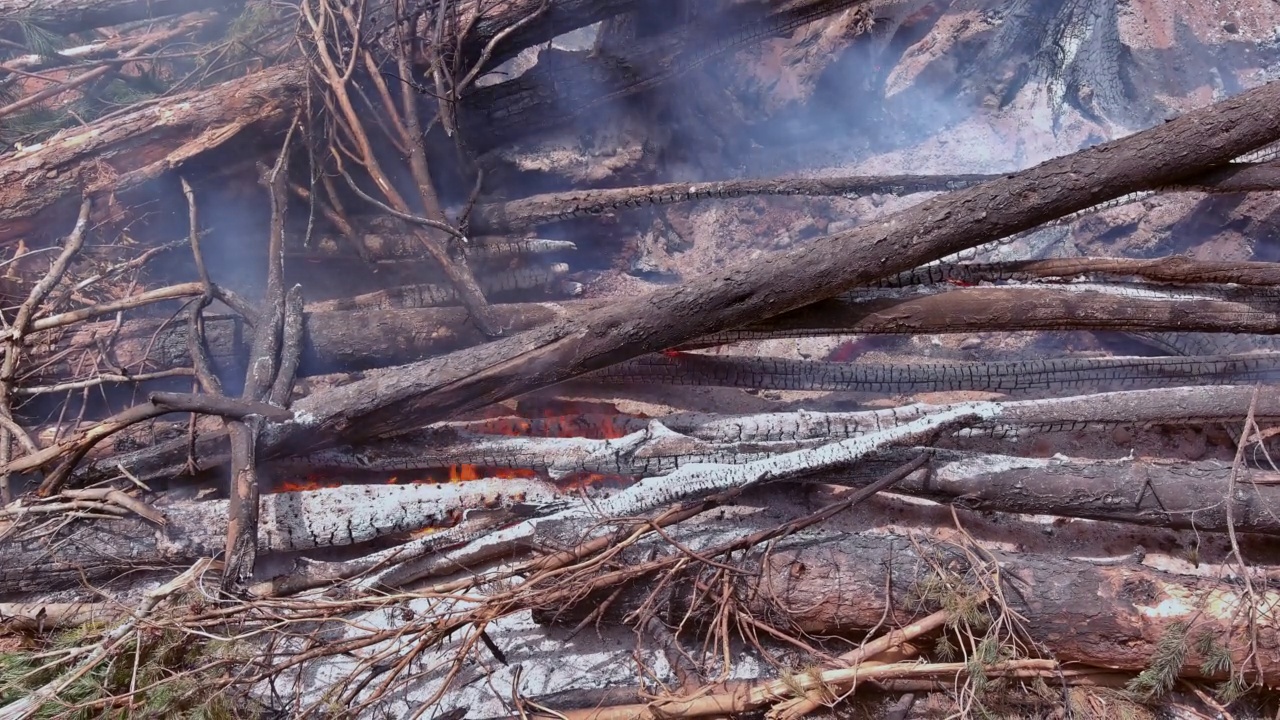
x,y
638,359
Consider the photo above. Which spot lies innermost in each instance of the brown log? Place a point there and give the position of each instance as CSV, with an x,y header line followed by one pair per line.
x,y
837,585
122,153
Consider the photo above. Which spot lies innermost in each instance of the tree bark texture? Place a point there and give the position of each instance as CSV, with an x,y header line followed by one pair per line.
x,y
119,154
827,584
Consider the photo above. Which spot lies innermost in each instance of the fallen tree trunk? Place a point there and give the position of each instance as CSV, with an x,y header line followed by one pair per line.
x,y
98,550
748,292
1208,496
825,584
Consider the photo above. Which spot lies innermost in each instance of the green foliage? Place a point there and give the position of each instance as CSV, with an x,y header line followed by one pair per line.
x,y
162,668
1217,658
1170,653
39,40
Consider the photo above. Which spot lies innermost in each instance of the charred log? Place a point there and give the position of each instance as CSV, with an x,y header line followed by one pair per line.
x,y
99,550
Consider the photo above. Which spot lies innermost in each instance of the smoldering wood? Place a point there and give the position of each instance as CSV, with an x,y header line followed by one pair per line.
x,y
538,210
433,389
773,373
98,550
529,277
41,182
563,85
693,481
1171,494
824,583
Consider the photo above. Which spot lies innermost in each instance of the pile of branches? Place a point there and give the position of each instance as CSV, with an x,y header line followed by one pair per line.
x,y
151,564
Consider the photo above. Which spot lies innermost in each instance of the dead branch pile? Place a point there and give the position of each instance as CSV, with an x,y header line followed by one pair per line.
x,y
356,363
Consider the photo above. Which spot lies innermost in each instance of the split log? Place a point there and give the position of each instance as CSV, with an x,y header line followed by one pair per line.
x,y
748,292
98,550
836,584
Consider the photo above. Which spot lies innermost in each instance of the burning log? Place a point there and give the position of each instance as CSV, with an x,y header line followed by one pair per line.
x,y
345,341
432,389
1095,412
696,480
99,550
819,269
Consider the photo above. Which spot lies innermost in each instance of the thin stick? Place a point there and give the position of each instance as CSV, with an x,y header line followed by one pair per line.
x,y
17,333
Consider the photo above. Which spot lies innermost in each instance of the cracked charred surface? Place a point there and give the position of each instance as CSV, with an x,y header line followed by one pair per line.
x,y
102,550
